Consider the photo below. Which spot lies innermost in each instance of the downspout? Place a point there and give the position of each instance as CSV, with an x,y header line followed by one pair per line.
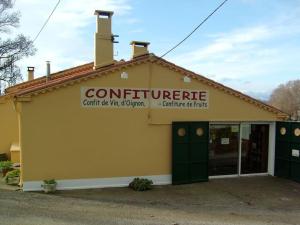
x,y
18,109
18,101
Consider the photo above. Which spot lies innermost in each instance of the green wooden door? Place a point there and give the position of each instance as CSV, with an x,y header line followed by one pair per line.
x,y
190,152
287,159
180,156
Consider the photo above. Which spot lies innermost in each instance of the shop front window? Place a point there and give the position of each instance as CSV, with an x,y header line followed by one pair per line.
x,y
238,149
254,149
223,149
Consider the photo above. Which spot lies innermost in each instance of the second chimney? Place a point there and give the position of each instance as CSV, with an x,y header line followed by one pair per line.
x,y
48,70
103,39
139,48
30,70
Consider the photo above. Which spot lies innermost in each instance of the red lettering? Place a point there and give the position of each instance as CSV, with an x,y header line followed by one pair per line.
x,y
87,93
145,93
176,95
136,94
202,95
166,95
116,93
186,95
104,93
157,96
126,92
194,93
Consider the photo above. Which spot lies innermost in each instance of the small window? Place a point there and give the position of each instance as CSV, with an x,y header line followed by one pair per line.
x,y
199,132
282,130
181,132
297,132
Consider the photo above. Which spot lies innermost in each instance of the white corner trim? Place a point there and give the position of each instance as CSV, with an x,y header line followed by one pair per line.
x,y
96,182
271,155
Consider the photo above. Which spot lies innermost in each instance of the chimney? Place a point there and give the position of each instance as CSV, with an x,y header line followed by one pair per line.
x,y
30,70
48,70
139,48
103,39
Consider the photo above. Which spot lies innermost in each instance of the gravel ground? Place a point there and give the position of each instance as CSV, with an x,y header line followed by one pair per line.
x,y
255,200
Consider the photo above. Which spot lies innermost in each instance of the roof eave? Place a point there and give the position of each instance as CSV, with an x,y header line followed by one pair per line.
x,y
153,59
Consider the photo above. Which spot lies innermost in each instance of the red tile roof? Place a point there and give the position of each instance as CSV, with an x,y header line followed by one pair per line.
x,y
86,71
41,81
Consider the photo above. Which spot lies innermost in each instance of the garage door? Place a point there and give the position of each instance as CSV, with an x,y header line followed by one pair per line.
x,y
287,159
190,152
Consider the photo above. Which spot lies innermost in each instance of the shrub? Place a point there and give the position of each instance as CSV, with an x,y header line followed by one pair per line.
x,y
12,177
141,184
51,181
6,165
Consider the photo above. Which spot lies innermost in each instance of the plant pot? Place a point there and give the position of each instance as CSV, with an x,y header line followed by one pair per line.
x,y
49,188
13,180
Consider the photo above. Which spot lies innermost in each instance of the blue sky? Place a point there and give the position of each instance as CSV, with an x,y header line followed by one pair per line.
x,y
249,45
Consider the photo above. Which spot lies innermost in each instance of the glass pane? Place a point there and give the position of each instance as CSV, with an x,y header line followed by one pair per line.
x,y
223,149
255,144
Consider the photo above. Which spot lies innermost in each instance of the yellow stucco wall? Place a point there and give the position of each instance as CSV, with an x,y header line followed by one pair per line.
x,y
62,140
8,126
222,107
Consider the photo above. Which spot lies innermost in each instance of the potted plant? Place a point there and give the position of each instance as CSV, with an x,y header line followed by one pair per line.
x,y
49,186
13,177
6,166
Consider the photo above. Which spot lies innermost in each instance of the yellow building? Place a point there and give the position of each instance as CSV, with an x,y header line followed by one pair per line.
x,y
103,123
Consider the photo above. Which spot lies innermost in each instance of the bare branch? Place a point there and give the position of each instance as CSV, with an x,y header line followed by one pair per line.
x,y
287,98
11,49
9,20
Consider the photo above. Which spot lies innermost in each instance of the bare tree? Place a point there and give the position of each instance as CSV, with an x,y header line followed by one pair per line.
x,y
11,49
287,98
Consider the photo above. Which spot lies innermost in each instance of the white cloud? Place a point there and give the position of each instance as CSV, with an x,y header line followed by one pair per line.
x,y
136,31
247,54
229,47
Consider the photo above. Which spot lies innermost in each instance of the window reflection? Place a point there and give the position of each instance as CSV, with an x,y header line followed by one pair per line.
x,y
255,143
223,149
